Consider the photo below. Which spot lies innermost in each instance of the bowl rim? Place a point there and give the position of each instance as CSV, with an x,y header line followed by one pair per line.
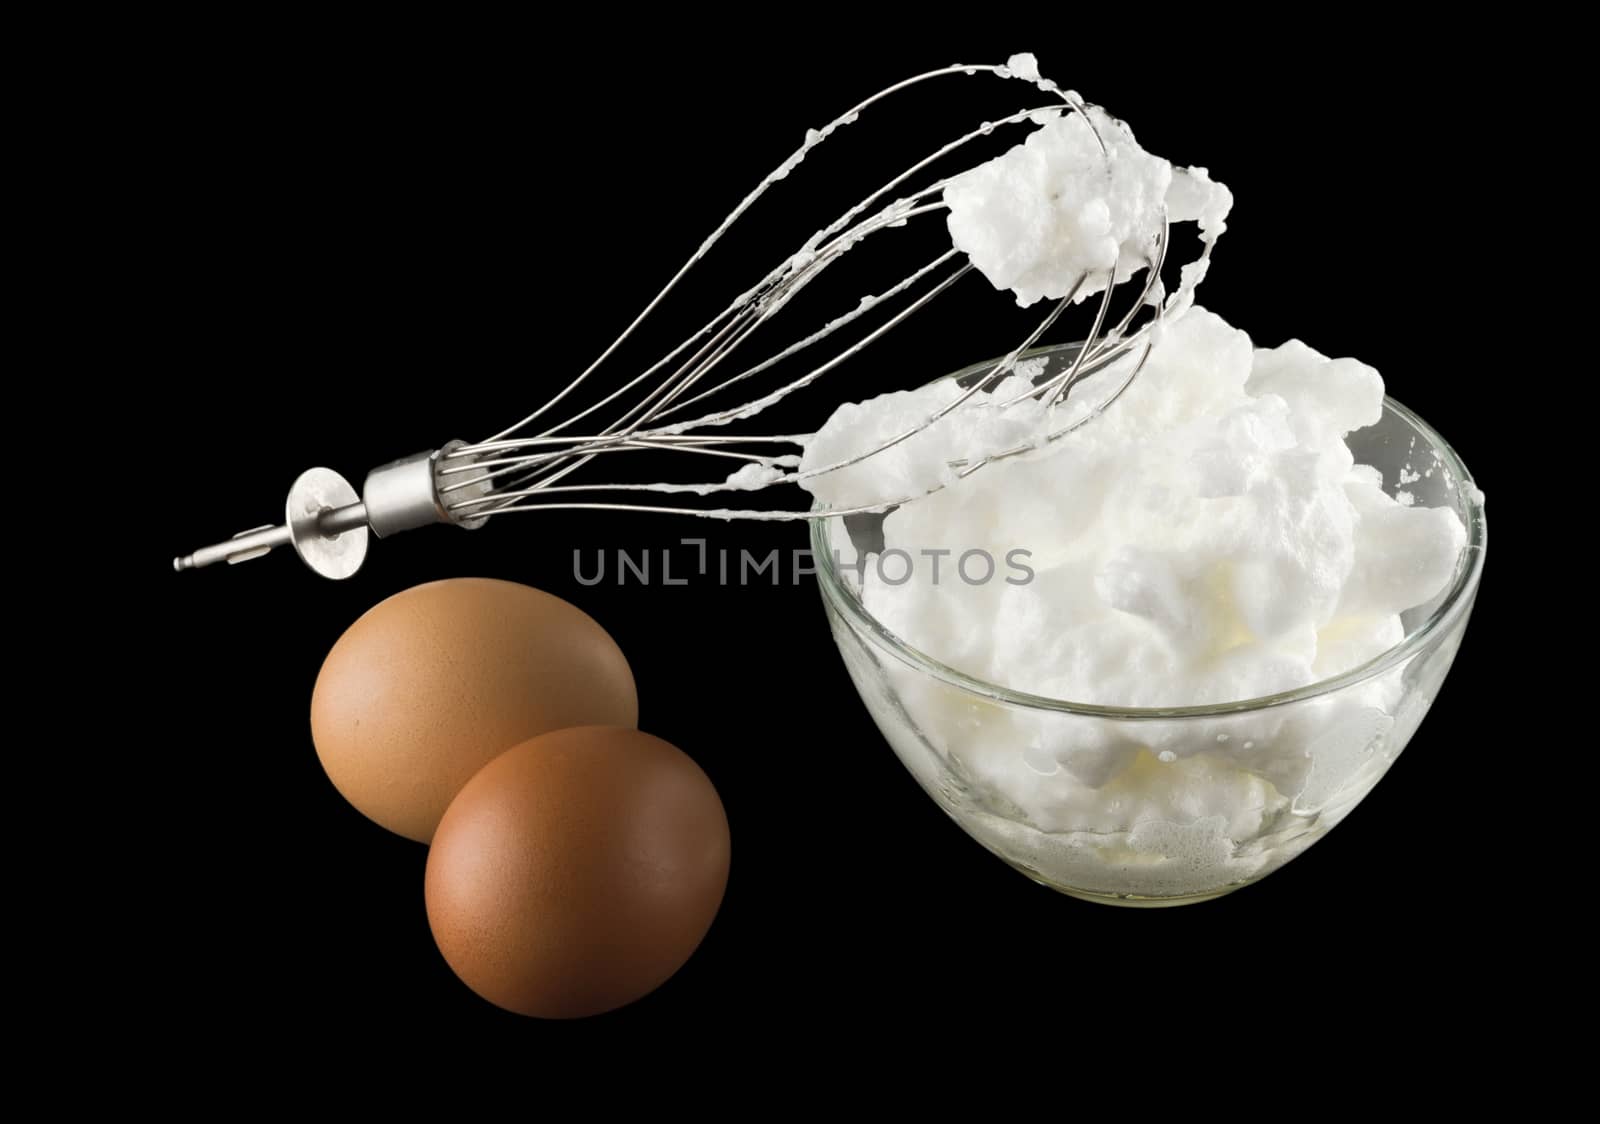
x,y
1455,605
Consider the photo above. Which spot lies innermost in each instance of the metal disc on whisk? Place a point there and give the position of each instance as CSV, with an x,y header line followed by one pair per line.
x,y
315,491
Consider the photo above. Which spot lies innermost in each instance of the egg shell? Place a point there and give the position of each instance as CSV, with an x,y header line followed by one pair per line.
x,y
577,872
438,680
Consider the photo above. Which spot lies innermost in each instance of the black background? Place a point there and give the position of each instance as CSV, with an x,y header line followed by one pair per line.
x,y
349,246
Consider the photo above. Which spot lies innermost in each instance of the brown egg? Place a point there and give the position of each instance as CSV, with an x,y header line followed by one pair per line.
x,y
435,682
577,872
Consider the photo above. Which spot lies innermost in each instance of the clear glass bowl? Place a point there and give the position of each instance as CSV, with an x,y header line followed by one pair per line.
x,y
1208,800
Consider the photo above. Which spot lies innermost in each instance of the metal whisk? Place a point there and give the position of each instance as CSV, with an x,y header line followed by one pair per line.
x,y
525,466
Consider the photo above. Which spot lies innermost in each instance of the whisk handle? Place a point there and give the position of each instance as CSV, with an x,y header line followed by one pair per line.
x,y
329,525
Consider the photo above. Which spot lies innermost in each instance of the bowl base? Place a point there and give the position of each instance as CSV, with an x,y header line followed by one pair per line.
x,y
1130,901
1134,901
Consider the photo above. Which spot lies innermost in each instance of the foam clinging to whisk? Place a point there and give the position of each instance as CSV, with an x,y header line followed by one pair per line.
x,y
1078,196
1081,170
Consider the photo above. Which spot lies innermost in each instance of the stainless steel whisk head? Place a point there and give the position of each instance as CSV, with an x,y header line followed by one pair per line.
x,y
526,466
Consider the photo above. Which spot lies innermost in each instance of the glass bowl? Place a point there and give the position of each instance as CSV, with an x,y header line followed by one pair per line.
x,y
1205,799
